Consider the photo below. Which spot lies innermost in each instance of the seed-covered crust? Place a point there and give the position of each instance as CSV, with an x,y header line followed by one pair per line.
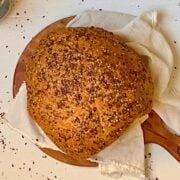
x,y
85,88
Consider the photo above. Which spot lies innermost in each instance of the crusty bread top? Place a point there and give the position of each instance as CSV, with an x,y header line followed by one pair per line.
x,y
85,88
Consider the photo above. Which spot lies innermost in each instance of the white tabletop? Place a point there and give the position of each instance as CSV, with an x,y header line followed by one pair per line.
x,y
21,160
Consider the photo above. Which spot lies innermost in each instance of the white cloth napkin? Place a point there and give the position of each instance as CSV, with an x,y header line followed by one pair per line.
x,y
126,155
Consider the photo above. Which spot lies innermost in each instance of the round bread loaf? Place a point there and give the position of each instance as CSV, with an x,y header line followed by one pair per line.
x,y
85,87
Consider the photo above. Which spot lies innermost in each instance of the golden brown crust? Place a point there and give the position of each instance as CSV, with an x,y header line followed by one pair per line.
x,y
85,88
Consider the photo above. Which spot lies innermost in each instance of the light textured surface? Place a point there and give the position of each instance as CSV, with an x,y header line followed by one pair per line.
x,y
162,164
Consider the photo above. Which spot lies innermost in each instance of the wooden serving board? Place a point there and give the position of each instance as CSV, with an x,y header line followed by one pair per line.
x,y
153,128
